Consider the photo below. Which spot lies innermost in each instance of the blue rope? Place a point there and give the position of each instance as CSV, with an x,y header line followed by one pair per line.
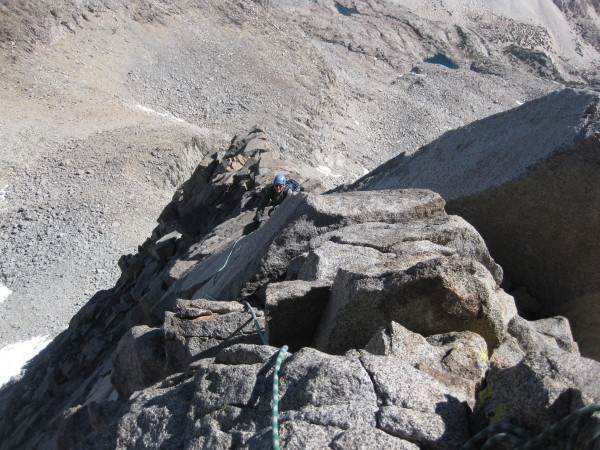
x,y
230,253
275,410
213,277
256,324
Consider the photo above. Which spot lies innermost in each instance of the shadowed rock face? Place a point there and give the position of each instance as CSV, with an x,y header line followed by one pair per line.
x,y
391,308
527,180
547,235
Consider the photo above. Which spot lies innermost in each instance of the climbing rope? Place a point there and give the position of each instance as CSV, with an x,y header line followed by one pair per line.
x,y
230,253
213,277
280,356
256,324
275,410
493,435
282,352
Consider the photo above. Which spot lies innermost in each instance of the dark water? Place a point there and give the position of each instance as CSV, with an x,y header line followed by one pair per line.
x,y
442,60
345,10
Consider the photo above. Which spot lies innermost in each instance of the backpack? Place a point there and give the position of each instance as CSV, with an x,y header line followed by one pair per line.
x,y
293,185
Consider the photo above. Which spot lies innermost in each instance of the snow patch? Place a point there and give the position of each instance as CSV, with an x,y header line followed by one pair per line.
x,y
15,356
168,115
327,171
3,193
4,293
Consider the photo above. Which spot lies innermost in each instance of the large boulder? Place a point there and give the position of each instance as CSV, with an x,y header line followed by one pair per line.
x,y
537,392
435,296
139,360
536,379
201,328
458,359
295,307
323,262
527,179
423,238
416,406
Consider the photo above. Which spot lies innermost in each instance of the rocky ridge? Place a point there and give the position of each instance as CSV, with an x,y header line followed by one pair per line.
x,y
399,334
108,105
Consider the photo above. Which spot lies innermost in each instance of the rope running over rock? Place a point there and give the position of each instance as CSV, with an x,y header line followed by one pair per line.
x,y
280,356
256,324
519,439
275,410
275,405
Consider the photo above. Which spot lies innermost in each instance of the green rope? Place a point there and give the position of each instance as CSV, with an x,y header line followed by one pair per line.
x,y
594,437
507,433
492,443
561,425
280,356
256,324
488,433
275,411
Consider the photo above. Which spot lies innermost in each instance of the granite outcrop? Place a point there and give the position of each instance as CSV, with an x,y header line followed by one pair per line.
x,y
398,332
527,181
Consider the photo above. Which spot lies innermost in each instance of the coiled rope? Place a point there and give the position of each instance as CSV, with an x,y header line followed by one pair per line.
x,y
493,435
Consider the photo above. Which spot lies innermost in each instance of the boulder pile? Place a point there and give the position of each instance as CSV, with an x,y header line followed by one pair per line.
x,y
397,330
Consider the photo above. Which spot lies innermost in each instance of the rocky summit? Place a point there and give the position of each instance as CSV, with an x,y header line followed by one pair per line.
x,y
377,316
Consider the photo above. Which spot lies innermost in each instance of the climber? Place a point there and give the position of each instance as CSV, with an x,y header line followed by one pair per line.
x,y
273,196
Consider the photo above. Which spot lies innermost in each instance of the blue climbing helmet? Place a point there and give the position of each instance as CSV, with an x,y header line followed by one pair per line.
x,y
279,179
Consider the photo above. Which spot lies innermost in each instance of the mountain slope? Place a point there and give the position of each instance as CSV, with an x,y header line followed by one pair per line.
x,y
107,106
399,335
